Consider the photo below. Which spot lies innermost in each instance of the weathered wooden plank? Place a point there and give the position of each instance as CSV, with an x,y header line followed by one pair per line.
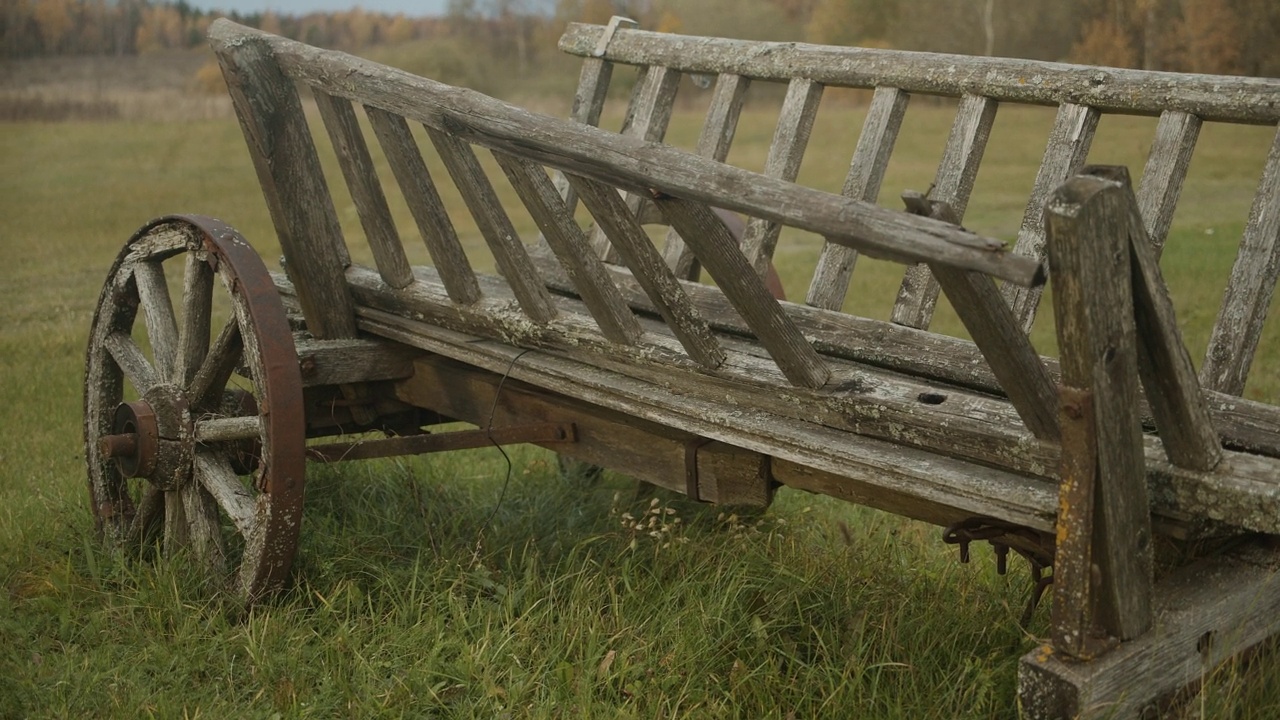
x,y
606,438
835,265
1069,143
1073,627
862,402
1142,92
1166,169
717,250
352,360
1086,222
953,184
1238,328
1246,425
631,242
1168,377
1008,352
585,271
496,228
636,166
425,204
786,151
648,115
1205,615
589,99
292,181
933,480
714,142
366,190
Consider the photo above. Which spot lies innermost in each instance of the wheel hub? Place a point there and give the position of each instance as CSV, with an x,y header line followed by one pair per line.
x,y
152,438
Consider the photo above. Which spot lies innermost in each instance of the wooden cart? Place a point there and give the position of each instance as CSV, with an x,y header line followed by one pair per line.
x,y
600,345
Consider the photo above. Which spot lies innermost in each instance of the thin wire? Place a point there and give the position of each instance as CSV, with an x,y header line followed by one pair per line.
x,y
502,495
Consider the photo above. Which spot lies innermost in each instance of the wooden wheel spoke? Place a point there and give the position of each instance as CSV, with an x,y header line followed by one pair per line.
x,y
215,474
197,306
218,365
162,327
148,515
175,523
204,530
132,362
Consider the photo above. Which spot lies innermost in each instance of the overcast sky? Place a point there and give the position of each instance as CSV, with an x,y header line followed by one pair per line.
x,y
302,7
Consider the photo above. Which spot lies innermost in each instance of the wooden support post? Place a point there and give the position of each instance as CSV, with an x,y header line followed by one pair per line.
x,y
1088,227
292,181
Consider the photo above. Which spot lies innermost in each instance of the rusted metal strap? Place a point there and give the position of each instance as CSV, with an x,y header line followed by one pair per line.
x,y
691,466
440,442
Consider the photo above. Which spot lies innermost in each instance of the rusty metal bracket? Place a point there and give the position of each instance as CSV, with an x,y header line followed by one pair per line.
x,y
441,442
615,22
1005,536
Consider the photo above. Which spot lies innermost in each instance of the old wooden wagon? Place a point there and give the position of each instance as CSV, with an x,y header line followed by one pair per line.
x,y
596,342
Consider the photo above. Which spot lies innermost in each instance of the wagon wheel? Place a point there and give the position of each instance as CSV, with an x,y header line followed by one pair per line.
x,y
194,428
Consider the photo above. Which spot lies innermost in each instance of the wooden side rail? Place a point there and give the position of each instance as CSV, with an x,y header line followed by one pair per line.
x,y
1081,95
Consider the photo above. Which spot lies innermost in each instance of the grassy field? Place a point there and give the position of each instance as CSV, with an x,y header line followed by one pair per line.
x,y
435,588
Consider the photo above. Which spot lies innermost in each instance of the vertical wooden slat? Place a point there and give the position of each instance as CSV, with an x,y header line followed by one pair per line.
x,y
425,205
1168,377
953,184
1086,224
1253,281
1066,152
831,277
1166,169
510,254
157,309
645,263
718,251
587,273
714,142
366,190
588,103
1007,350
790,138
647,117
293,184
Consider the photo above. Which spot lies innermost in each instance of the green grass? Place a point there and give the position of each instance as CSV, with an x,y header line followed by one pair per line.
x,y
425,589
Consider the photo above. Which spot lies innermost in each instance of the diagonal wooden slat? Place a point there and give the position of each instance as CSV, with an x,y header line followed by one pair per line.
x,y
786,151
831,277
586,272
1007,350
1253,281
661,285
647,118
1168,377
1066,152
366,190
953,184
714,142
718,251
1166,169
425,204
496,228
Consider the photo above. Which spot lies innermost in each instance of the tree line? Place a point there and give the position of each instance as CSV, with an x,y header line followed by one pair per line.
x,y
1211,36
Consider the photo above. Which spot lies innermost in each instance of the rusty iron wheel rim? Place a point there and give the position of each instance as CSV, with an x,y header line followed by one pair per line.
x,y
191,492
